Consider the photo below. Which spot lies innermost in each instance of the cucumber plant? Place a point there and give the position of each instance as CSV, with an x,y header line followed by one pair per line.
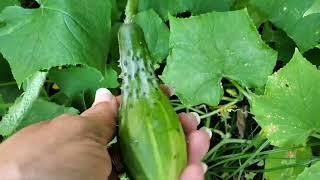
x,y
249,68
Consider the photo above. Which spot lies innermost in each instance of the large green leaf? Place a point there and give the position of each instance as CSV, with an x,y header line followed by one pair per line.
x,y
257,17
5,3
204,6
58,33
173,7
75,80
116,13
300,19
213,46
288,112
156,34
311,173
163,7
315,8
280,41
43,110
295,161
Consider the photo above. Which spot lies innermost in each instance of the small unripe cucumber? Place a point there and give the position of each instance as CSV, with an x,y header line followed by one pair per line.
x,y
151,138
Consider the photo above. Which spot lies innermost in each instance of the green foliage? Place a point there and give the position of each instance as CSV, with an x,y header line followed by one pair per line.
x,y
116,12
6,3
299,19
91,79
204,6
8,88
279,40
5,73
215,46
288,159
156,34
58,33
114,49
289,112
310,173
43,110
2,107
173,7
219,61
257,17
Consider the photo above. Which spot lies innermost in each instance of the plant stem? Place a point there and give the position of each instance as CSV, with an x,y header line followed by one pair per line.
x,y
304,164
220,109
233,157
191,108
244,165
131,10
241,89
8,84
222,135
18,111
175,101
208,122
224,98
178,108
224,142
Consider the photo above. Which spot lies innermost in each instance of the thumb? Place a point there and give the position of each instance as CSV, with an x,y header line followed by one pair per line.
x,y
103,114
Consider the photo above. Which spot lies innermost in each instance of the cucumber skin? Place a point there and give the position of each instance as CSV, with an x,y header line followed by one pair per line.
x,y
151,138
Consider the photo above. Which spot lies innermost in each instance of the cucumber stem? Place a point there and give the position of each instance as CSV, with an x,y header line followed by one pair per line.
x,y
22,106
131,10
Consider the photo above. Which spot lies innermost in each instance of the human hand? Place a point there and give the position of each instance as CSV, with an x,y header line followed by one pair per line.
x,y
73,147
70,147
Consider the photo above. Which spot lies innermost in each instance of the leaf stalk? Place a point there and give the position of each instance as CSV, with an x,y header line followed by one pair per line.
x,y
131,10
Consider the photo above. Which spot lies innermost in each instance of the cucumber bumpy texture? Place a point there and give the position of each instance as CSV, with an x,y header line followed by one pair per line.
x,y
151,138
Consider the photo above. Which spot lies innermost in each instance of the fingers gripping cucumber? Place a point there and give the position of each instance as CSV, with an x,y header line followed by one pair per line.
x,y
151,138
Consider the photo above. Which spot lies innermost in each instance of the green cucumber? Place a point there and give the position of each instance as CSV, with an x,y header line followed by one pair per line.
x,y
151,138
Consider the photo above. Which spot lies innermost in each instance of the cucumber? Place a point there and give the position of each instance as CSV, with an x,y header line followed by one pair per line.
x,y
151,138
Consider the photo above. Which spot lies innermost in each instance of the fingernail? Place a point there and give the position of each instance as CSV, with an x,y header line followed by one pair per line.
x,y
103,95
207,130
196,117
204,167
